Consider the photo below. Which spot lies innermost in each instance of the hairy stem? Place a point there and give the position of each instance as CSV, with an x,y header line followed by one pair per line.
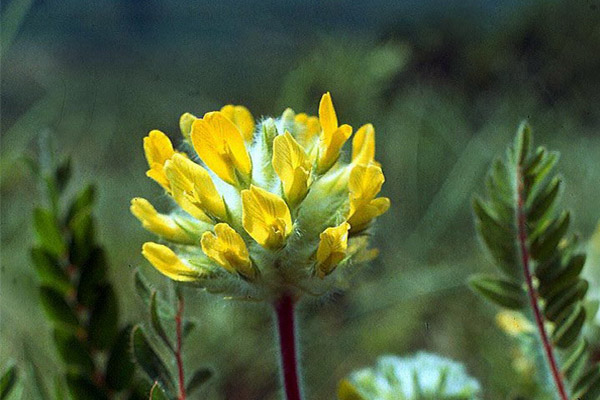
x,y
532,292
178,357
284,310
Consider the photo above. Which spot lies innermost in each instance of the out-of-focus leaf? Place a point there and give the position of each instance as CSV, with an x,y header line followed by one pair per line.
x,y
569,327
156,321
104,319
199,377
82,203
49,270
346,391
499,291
83,238
120,366
587,386
81,388
57,309
147,359
561,301
188,327
48,232
73,352
93,273
63,174
145,290
7,382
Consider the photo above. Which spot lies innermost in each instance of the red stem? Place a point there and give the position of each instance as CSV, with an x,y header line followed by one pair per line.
x,y
533,295
284,309
178,349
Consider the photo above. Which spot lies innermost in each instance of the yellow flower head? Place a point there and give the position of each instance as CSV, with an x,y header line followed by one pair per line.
x,y
332,248
167,262
159,224
220,144
365,183
293,167
262,210
228,249
242,118
266,217
158,149
332,137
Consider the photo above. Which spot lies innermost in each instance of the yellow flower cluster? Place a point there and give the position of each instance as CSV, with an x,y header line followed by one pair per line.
x,y
269,206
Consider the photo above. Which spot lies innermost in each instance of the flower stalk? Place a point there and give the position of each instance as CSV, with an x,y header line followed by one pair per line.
x,y
178,352
285,314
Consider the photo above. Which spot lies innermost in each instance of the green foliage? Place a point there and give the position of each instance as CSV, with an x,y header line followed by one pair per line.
x,y
528,237
8,381
75,294
421,377
166,334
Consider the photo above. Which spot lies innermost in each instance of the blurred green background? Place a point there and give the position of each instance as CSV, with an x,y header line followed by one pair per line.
x,y
445,84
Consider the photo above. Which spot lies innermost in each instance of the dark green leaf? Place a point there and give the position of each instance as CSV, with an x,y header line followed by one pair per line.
x,y
499,291
82,388
188,327
73,352
198,379
63,174
557,279
104,319
586,383
82,203
145,290
83,238
545,245
568,327
147,359
7,382
49,270
57,309
93,274
48,232
120,366
543,202
576,361
564,299
157,323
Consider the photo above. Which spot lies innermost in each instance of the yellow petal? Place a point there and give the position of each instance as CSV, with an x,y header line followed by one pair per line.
x,y
332,248
265,217
158,149
364,214
310,128
228,249
185,124
330,146
327,116
242,118
293,167
159,224
363,145
167,262
193,188
220,144
364,184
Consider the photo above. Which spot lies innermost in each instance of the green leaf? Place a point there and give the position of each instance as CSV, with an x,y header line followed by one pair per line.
x,y
157,323
587,384
93,275
104,319
62,175
7,382
576,360
561,301
57,309
48,232
545,245
82,204
543,203
199,377
120,366
147,359
145,290
82,388
156,393
188,327
83,238
49,270
347,391
499,291
568,327
73,352
523,142
557,279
